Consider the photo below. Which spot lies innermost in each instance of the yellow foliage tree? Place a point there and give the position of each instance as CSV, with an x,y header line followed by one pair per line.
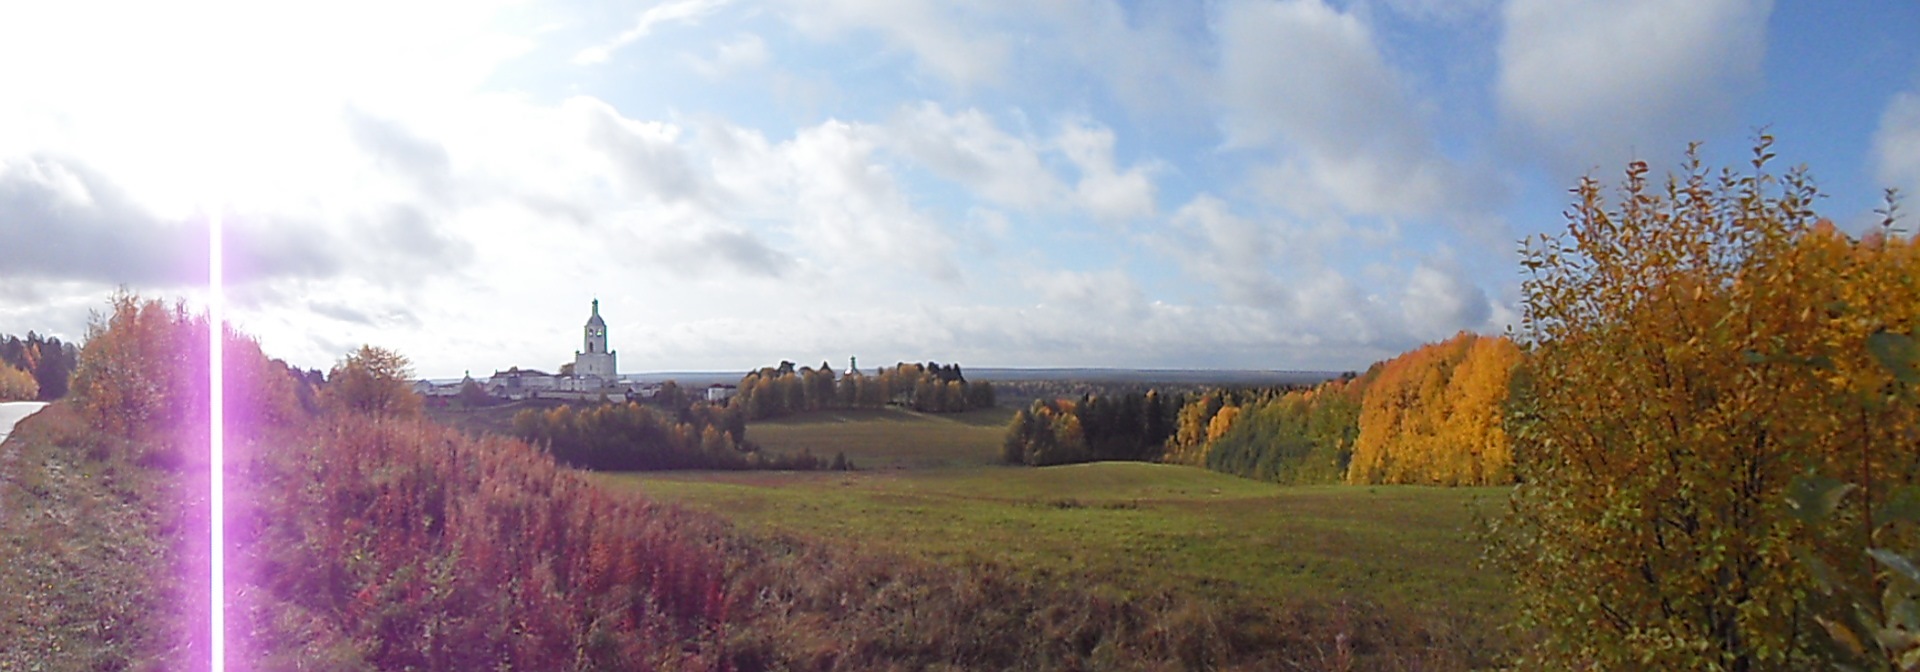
x,y
1432,415
1222,422
1188,445
17,385
1694,347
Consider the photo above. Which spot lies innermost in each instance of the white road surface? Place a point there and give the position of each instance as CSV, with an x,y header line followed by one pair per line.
x,y
14,411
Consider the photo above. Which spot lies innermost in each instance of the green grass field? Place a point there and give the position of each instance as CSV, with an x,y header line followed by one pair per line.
x,y
1122,527
890,438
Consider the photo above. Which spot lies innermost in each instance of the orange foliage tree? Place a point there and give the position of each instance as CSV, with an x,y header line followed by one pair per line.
x,y
1694,347
1432,415
142,374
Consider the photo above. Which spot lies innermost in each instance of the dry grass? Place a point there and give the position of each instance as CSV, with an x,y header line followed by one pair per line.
x,y
87,555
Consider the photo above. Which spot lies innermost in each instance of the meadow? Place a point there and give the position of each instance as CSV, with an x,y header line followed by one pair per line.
x,y
928,488
890,438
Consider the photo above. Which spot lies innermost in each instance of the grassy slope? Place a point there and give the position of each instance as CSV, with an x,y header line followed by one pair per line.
x,y
80,540
1132,528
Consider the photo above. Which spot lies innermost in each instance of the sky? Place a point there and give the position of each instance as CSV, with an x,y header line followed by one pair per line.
x,y
1235,184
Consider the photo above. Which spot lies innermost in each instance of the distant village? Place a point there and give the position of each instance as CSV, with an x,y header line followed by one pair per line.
x,y
593,374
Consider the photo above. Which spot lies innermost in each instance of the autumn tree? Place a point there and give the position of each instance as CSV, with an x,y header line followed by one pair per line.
x,y
17,385
1188,443
372,381
1432,415
142,375
1301,436
1694,346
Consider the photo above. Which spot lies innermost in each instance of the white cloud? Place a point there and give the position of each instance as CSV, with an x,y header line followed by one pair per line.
x,y
1896,149
1310,81
946,38
1147,54
1299,70
850,205
1593,83
1109,294
967,147
1103,190
646,156
1229,251
745,51
671,11
1279,270
1437,303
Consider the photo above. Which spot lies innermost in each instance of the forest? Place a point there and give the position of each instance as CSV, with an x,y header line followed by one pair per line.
x,y
35,367
1433,415
1124,427
773,392
635,437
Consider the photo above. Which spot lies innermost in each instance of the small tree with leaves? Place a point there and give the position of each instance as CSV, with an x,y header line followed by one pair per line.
x,y
1694,346
372,381
472,395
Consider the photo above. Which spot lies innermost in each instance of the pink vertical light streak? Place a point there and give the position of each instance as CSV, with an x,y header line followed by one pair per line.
x,y
217,430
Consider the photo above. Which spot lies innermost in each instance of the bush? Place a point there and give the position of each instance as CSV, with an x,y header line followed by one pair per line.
x,y
1694,347
385,543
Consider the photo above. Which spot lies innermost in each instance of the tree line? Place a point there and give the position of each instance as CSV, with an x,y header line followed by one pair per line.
x,y
1431,416
36,367
773,392
636,437
1126,427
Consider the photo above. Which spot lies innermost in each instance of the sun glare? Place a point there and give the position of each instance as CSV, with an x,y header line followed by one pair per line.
x,y
216,426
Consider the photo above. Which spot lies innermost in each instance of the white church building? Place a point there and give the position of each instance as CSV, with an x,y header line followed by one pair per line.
x,y
596,367
596,371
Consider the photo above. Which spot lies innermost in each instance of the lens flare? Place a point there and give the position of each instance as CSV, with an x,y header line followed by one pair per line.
x,y
216,426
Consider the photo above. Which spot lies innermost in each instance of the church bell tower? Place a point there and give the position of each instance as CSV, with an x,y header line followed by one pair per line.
x,y
597,361
596,331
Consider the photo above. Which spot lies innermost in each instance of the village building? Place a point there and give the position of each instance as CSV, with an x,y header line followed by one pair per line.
x,y
593,374
518,383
